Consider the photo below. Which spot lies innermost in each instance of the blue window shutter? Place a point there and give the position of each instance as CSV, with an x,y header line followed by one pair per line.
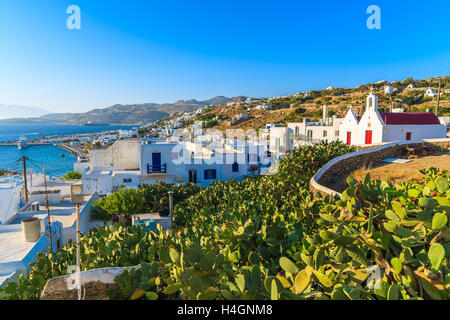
x,y
210,174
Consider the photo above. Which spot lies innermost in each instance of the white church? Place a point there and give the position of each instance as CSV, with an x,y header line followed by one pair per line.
x,y
374,127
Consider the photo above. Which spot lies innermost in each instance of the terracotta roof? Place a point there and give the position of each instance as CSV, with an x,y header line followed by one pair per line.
x,y
409,118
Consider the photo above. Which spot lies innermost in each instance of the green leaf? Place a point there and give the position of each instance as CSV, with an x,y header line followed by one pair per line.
x,y
253,258
323,279
393,292
397,265
442,184
439,221
381,289
414,193
150,295
288,266
274,290
302,281
436,254
208,295
240,281
399,209
174,255
172,288
329,218
352,293
319,256
428,203
391,215
358,256
137,294
430,290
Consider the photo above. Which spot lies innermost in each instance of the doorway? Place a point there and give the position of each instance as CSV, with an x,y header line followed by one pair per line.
x,y
193,176
368,136
349,138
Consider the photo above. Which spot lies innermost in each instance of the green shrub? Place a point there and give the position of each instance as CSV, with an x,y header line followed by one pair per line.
x,y
267,237
70,175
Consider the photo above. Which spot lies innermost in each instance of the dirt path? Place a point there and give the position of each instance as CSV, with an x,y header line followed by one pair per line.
x,y
400,172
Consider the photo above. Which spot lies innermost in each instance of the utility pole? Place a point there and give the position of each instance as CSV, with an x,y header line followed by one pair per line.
x,y
25,179
438,97
78,252
48,212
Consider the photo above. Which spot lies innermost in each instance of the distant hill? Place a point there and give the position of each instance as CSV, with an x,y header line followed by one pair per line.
x,y
121,114
297,106
16,111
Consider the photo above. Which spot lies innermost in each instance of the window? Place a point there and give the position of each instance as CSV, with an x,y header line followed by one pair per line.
x,y
325,133
210,174
309,133
370,102
408,136
336,133
235,167
127,180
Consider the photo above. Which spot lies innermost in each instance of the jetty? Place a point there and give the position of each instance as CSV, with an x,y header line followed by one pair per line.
x,y
70,149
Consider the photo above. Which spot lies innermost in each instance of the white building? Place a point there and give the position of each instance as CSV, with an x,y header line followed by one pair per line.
x,y
388,89
431,93
134,162
111,167
264,106
128,133
374,127
410,86
295,134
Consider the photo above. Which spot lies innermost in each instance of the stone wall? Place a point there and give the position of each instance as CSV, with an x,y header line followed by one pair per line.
x,y
94,285
331,178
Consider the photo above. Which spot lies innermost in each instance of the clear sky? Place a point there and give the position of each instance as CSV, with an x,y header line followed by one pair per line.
x,y
163,51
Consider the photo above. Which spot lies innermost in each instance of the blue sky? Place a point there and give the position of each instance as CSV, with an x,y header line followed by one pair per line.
x,y
163,51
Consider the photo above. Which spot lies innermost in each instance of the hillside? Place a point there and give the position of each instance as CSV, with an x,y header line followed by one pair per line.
x,y
296,107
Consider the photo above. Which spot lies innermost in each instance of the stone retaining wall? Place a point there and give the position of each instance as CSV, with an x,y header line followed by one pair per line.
x,y
330,179
95,284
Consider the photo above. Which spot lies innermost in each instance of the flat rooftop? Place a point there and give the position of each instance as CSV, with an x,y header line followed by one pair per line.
x,y
12,245
13,249
64,212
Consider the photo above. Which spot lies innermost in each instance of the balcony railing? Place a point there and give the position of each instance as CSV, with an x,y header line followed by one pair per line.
x,y
157,168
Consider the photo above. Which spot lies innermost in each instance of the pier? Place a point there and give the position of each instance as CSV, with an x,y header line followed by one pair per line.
x,y
69,149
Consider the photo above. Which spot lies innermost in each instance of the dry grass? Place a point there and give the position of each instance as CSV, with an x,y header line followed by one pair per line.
x,y
401,172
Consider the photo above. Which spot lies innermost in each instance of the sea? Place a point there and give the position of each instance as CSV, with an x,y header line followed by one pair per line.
x,y
56,160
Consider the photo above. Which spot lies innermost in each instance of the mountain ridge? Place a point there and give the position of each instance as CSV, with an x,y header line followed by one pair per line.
x,y
123,113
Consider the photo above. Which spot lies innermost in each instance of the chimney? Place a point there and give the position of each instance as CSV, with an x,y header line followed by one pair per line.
x,y
325,112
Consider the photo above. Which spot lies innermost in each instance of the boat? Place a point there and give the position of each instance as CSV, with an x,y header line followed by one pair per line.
x,y
22,143
96,124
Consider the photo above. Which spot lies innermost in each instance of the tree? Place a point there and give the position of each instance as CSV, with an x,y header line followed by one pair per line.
x,y
124,201
70,175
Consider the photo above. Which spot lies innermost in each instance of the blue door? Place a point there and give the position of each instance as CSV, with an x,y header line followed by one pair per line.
x,y
156,161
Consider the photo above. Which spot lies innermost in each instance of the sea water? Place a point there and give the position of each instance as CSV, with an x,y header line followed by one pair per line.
x,y
56,160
